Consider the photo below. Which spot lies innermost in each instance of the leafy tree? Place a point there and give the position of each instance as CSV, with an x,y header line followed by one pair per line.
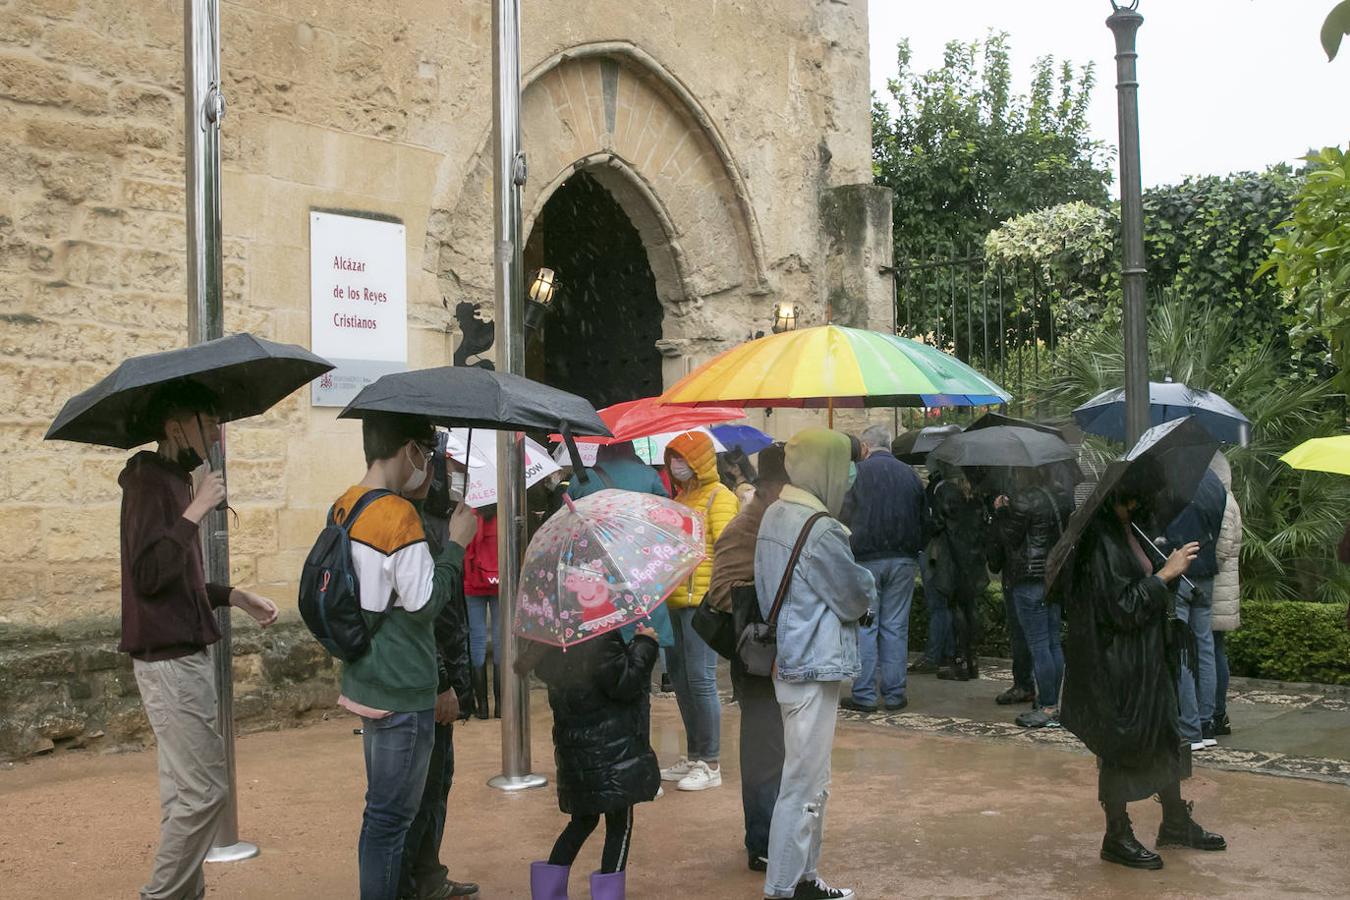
x,y
964,152
1311,259
1335,27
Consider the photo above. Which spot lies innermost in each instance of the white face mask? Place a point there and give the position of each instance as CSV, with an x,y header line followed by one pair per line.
x,y
681,470
418,475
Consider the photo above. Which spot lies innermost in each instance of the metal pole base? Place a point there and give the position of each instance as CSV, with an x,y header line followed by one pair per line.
x,y
233,853
513,783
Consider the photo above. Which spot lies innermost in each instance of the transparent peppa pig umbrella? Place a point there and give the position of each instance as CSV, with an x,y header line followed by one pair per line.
x,y
602,562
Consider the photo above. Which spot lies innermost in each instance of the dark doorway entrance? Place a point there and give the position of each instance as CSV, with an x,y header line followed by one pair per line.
x,y
600,341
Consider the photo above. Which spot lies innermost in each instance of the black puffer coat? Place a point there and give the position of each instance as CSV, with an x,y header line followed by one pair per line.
x,y
1028,528
598,691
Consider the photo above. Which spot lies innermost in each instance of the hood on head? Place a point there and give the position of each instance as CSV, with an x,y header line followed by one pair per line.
x,y
817,461
696,448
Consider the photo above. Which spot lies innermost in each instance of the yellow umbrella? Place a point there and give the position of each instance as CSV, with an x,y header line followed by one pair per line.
x,y
1328,454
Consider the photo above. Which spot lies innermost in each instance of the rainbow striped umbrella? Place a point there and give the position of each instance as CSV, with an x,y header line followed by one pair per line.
x,y
836,367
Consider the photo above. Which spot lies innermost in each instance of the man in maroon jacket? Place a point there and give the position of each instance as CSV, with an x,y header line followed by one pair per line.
x,y
168,622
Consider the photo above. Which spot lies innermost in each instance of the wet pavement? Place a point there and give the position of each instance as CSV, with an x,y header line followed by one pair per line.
x,y
1295,730
919,808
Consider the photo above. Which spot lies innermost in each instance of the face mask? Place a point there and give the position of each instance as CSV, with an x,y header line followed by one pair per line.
x,y
852,473
418,475
681,470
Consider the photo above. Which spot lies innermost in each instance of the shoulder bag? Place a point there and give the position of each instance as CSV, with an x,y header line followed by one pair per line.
x,y
757,646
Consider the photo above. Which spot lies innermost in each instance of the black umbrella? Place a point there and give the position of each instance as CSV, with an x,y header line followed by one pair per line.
x,y
470,397
247,376
996,420
1166,465
1003,446
914,446
1167,400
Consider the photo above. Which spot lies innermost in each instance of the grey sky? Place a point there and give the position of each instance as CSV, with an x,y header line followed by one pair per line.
x,y
1225,85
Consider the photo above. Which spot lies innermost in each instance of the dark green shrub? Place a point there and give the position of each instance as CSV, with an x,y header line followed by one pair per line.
x,y
1291,641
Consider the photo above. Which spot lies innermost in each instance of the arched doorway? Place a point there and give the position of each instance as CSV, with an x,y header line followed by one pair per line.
x,y
600,340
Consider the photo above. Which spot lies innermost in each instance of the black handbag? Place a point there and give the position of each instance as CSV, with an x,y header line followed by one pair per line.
x,y
716,627
757,646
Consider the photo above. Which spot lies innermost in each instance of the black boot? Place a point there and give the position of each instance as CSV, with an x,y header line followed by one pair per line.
x,y
1120,846
480,705
1178,829
972,668
496,692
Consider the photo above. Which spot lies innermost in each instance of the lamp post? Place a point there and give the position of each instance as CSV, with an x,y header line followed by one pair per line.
x,y
543,287
784,317
508,177
1124,23
204,107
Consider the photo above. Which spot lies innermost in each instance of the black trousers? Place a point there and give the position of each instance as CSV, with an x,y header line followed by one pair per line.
x,y
761,754
618,835
965,622
422,867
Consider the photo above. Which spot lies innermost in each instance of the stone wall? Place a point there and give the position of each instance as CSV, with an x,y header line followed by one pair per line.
x,y
753,109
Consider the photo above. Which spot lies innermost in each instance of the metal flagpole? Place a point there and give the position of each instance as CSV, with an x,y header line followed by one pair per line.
x,y
509,283
204,107
1124,24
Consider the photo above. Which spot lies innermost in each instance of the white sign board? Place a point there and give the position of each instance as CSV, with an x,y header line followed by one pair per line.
x,y
358,300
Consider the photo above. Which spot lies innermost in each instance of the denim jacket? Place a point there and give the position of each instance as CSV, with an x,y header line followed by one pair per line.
x,y
828,594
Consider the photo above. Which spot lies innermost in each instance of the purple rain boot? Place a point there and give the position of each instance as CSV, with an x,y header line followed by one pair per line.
x,y
548,882
607,886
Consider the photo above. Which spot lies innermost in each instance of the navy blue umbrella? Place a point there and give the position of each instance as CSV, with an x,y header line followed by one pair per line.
x,y
1104,414
746,438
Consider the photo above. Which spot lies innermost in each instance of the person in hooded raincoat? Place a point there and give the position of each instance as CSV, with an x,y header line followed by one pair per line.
x,y
817,631
692,462
1121,658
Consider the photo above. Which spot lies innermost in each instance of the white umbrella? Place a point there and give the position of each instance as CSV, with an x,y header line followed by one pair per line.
x,y
482,463
586,450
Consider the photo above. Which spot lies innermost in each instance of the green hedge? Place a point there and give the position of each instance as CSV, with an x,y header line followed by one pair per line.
x,y
1286,640
1281,640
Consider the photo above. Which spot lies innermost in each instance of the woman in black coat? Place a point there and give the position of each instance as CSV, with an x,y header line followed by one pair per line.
x,y
1120,679
598,691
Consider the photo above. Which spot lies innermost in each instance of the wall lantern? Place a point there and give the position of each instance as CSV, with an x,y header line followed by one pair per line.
x,y
542,290
784,318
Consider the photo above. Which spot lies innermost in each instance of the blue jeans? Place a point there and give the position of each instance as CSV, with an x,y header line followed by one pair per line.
x,y
885,643
693,675
1041,625
1197,680
422,867
479,610
1220,677
1017,639
941,642
397,749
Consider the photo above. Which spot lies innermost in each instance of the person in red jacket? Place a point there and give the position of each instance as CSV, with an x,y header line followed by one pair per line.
x,y
480,593
168,622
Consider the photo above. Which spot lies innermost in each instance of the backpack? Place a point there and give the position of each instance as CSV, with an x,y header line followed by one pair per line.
x,y
330,594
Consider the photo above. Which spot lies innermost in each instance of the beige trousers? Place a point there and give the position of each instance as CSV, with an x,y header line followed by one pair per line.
x,y
180,700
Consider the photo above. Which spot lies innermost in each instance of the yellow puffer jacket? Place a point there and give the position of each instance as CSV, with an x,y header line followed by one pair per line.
x,y
712,500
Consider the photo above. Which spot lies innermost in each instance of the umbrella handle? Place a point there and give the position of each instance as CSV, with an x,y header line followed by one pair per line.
x,y
573,453
1148,542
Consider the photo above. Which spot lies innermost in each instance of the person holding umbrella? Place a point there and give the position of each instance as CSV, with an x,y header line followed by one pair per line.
x,y
598,566
178,400
168,624
1121,653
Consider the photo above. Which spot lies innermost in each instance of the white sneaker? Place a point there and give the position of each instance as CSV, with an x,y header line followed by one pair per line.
x,y
677,771
1209,742
701,777
660,792
1197,746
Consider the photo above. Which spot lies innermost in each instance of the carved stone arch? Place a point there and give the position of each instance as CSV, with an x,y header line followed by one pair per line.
x,y
611,109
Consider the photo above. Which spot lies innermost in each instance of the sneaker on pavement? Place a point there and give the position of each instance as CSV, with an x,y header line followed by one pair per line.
x,y
701,777
855,706
1037,718
1197,746
758,863
677,771
819,890
897,705
1222,726
660,792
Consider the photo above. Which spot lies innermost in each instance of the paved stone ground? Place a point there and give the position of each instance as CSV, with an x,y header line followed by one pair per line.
x,y
922,805
1296,730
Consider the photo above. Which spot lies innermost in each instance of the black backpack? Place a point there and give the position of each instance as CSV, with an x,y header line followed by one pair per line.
x,y
330,594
